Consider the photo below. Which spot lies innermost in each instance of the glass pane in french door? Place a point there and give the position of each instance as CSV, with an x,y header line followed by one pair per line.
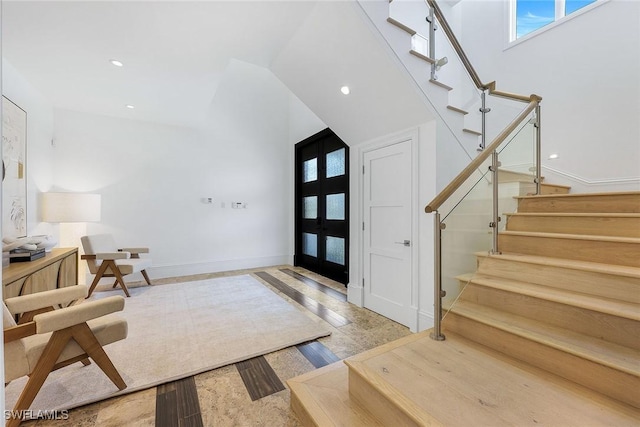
x,y
336,163
335,250
310,208
335,206
310,244
310,170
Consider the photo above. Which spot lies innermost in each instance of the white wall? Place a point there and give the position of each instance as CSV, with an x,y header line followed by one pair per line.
x,y
586,69
153,177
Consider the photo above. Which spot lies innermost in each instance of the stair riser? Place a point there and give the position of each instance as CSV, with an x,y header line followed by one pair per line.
x,y
599,325
301,412
552,189
599,226
587,282
610,382
380,407
617,203
618,253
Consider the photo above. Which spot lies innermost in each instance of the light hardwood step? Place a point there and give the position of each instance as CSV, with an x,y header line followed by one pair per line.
x,y
442,85
459,383
506,175
421,56
321,398
603,224
602,249
546,188
401,26
457,110
621,202
603,280
614,321
472,132
599,365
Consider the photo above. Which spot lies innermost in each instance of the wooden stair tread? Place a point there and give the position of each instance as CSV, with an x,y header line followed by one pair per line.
x,y
583,195
324,394
585,301
620,270
471,131
401,26
573,236
556,185
421,56
576,214
457,110
457,382
605,353
442,85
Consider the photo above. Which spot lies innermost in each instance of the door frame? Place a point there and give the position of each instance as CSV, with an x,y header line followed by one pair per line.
x,y
356,288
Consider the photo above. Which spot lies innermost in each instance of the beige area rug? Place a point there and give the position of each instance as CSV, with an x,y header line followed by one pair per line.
x,y
180,330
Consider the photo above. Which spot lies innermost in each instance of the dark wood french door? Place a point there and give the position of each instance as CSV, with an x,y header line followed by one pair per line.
x,y
322,205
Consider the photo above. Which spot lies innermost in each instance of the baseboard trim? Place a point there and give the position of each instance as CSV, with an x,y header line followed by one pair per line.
x,y
588,182
166,271
425,321
355,295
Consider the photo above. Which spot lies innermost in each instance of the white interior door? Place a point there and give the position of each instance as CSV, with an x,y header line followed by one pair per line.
x,y
387,198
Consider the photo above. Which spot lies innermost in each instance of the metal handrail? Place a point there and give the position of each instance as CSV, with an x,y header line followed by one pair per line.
x,y
533,104
491,86
480,158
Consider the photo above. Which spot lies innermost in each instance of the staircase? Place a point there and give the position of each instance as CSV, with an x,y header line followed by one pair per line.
x,y
547,332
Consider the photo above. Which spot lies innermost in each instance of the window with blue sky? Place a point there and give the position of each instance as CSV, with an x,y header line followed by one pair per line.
x,y
531,15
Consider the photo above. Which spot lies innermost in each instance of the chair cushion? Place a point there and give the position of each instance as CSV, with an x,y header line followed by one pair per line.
x,y
98,243
107,329
135,265
7,318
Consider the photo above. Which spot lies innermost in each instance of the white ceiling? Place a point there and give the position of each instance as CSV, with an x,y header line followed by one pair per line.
x,y
174,53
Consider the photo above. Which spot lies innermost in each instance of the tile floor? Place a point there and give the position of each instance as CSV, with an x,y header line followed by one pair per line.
x,y
220,398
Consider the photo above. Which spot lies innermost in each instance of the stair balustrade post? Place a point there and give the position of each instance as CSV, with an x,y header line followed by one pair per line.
x,y
437,334
484,110
431,19
538,152
495,220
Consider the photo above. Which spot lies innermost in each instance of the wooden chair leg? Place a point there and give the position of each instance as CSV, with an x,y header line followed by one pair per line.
x,y
115,284
85,339
146,277
99,273
119,278
52,351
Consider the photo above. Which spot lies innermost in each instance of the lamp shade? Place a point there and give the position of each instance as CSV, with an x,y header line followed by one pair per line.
x,y
70,207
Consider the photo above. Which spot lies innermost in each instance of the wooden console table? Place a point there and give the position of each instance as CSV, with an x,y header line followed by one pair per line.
x,y
57,269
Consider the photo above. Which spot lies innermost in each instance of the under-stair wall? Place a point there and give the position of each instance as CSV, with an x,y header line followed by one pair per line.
x,y
452,95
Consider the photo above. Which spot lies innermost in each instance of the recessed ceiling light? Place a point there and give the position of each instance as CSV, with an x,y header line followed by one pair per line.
x,y
116,62
129,106
553,156
345,90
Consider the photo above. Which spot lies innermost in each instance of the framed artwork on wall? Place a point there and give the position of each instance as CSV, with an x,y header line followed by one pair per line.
x,y
14,164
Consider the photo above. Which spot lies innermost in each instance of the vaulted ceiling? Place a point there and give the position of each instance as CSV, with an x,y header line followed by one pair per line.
x,y
175,54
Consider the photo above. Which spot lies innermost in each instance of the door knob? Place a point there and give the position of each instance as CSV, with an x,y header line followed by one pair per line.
x,y
405,243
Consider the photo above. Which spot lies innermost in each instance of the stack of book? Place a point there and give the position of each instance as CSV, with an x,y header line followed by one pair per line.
x,y
22,255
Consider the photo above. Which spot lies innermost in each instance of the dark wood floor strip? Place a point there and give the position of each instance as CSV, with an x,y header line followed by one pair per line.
x,y
177,404
312,305
317,354
316,285
259,378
